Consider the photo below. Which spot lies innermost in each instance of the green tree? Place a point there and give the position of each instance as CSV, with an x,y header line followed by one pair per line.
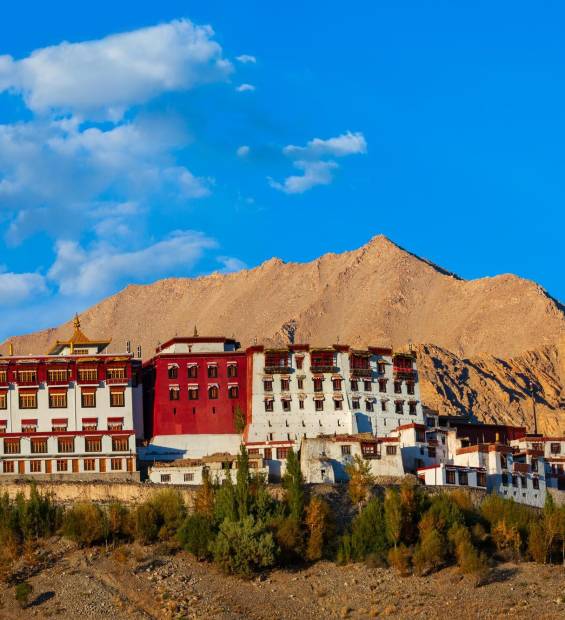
x,y
197,536
361,480
293,483
242,483
225,506
239,419
368,532
393,516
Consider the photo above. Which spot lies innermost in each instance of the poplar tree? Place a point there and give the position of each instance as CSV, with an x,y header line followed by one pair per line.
x,y
242,483
293,483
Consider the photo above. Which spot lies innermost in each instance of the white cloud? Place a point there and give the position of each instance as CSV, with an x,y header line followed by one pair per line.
x,y
18,287
243,151
103,78
340,146
315,173
245,88
98,271
231,264
246,59
53,174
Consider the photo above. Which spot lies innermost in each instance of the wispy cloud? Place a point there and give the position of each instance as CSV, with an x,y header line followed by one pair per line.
x,y
231,264
246,59
243,151
315,173
18,287
340,146
245,88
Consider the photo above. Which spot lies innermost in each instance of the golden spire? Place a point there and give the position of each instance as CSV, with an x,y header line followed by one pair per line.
x,y
76,321
195,332
11,348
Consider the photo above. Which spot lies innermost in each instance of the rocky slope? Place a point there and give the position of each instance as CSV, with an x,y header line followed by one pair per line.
x,y
378,294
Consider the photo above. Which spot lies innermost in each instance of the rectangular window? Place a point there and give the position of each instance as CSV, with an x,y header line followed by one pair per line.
x,y
355,403
116,464
524,481
89,464
463,478
354,385
504,479
173,372
399,406
213,392
535,482
93,444
431,453
301,404
285,404
450,476
515,481
338,404
318,385
27,377
285,385
300,383
367,386
268,386
481,479
382,385
369,407
11,446
345,450
391,450
381,367
3,401
410,388
117,398
192,371
116,373
58,376
58,400
336,384
269,405
90,424
383,405
62,465
555,448
39,445
268,454
165,477
232,371
115,424
212,372
174,393
503,461
282,453
398,387
88,374
8,467
35,467
120,444
188,477
28,400
319,405
534,464
412,407
3,376
193,393
66,444
88,399
420,436
299,362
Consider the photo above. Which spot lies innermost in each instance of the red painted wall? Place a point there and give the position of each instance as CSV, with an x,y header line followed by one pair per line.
x,y
203,416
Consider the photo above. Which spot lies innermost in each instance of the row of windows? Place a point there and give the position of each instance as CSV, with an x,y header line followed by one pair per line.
x,y
62,375
39,445
61,426
519,480
59,400
337,385
338,405
451,477
63,465
192,371
213,393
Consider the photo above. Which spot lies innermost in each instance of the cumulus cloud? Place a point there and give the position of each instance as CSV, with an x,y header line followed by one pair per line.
x,y
315,173
245,88
103,78
340,146
82,272
311,159
243,151
18,287
246,59
231,264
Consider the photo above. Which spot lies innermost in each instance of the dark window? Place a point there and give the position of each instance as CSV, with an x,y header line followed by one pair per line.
x,y
367,386
535,482
431,453
282,453
319,405
382,385
300,383
369,406
338,404
420,436
212,372
299,362
399,406
383,405
174,394
391,450
354,385
318,385
524,481
336,384
193,371
285,385
398,387
463,478
481,479
450,476
504,479
173,372
286,405
232,371
268,386
268,405
233,391
213,392
345,450
412,407
555,448
268,454
355,403
515,481
193,393
301,404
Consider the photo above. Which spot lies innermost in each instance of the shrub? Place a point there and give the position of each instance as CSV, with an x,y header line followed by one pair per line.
x,y
117,521
496,509
170,510
507,540
224,502
344,551
469,560
361,479
196,535
244,547
242,496
431,550
146,523
204,500
289,536
85,524
537,543
319,523
368,531
23,591
399,558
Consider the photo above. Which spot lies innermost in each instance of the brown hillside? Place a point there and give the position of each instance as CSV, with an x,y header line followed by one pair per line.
x,y
377,294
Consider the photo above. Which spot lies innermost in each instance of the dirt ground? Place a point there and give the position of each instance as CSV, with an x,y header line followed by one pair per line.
x,y
145,582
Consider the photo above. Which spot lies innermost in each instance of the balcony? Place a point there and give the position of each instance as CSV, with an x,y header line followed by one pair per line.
x,y
28,382
280,370
88,381
362,372
58,381
521,468
407,373
117,380
323,369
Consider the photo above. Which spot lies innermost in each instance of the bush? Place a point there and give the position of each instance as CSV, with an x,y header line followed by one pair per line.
x,y
507,540
368,531
204,500
344,551
289,536
537,543
23,591
361,480
224,502
170,510
244,547
431,551
146,523
399,558
117,522
85,524
469,560
196,535
319,523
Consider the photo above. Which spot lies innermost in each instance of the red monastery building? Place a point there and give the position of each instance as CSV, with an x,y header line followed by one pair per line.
x,y
194,386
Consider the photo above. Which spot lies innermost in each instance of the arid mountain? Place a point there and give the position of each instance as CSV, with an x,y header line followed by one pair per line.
x,y
378,294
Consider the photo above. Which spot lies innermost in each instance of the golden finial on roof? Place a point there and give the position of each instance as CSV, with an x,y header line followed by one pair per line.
x,y
76,322
11,348
195,332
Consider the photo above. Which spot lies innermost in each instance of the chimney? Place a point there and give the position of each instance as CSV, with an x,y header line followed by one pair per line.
x,y
139,351
128,346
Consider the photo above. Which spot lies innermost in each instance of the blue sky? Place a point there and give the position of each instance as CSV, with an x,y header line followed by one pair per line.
x,y
181,138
